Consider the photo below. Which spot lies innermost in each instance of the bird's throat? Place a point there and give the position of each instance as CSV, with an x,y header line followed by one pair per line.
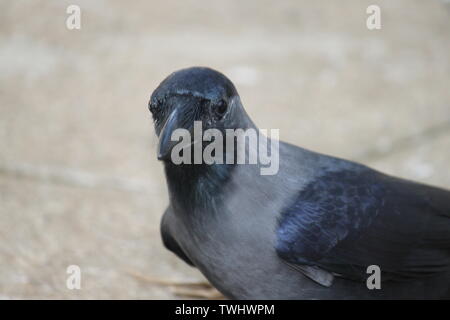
x,y
196,186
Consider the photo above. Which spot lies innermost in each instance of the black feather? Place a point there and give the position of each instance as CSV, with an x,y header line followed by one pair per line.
x,y
347,220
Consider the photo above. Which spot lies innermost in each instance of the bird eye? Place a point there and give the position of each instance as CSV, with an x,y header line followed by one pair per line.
x,y
151,107
221,108
154,107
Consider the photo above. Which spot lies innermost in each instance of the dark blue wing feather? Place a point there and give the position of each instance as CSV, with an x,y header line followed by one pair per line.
x,y
347,220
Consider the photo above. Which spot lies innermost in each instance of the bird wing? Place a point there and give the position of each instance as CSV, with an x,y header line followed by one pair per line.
x,y
169,241
344,221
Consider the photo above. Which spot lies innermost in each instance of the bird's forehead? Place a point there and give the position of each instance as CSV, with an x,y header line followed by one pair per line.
x,y
195,82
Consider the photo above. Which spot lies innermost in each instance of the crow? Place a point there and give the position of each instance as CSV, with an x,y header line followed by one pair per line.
x,y
320,228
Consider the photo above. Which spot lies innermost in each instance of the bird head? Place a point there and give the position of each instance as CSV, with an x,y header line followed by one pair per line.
x,y
194,94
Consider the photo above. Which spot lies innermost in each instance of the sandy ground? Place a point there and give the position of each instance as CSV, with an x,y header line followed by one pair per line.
x,y
79,179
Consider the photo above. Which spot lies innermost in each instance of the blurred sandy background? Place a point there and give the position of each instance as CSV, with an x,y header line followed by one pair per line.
x,y
79,179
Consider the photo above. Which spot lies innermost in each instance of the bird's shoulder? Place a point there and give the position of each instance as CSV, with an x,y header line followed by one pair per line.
x,y
327,209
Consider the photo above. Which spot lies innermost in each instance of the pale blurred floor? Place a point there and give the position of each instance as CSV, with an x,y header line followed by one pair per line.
x,y
79,180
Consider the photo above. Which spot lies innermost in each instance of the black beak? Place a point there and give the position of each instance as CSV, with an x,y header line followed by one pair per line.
x,y
165,144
